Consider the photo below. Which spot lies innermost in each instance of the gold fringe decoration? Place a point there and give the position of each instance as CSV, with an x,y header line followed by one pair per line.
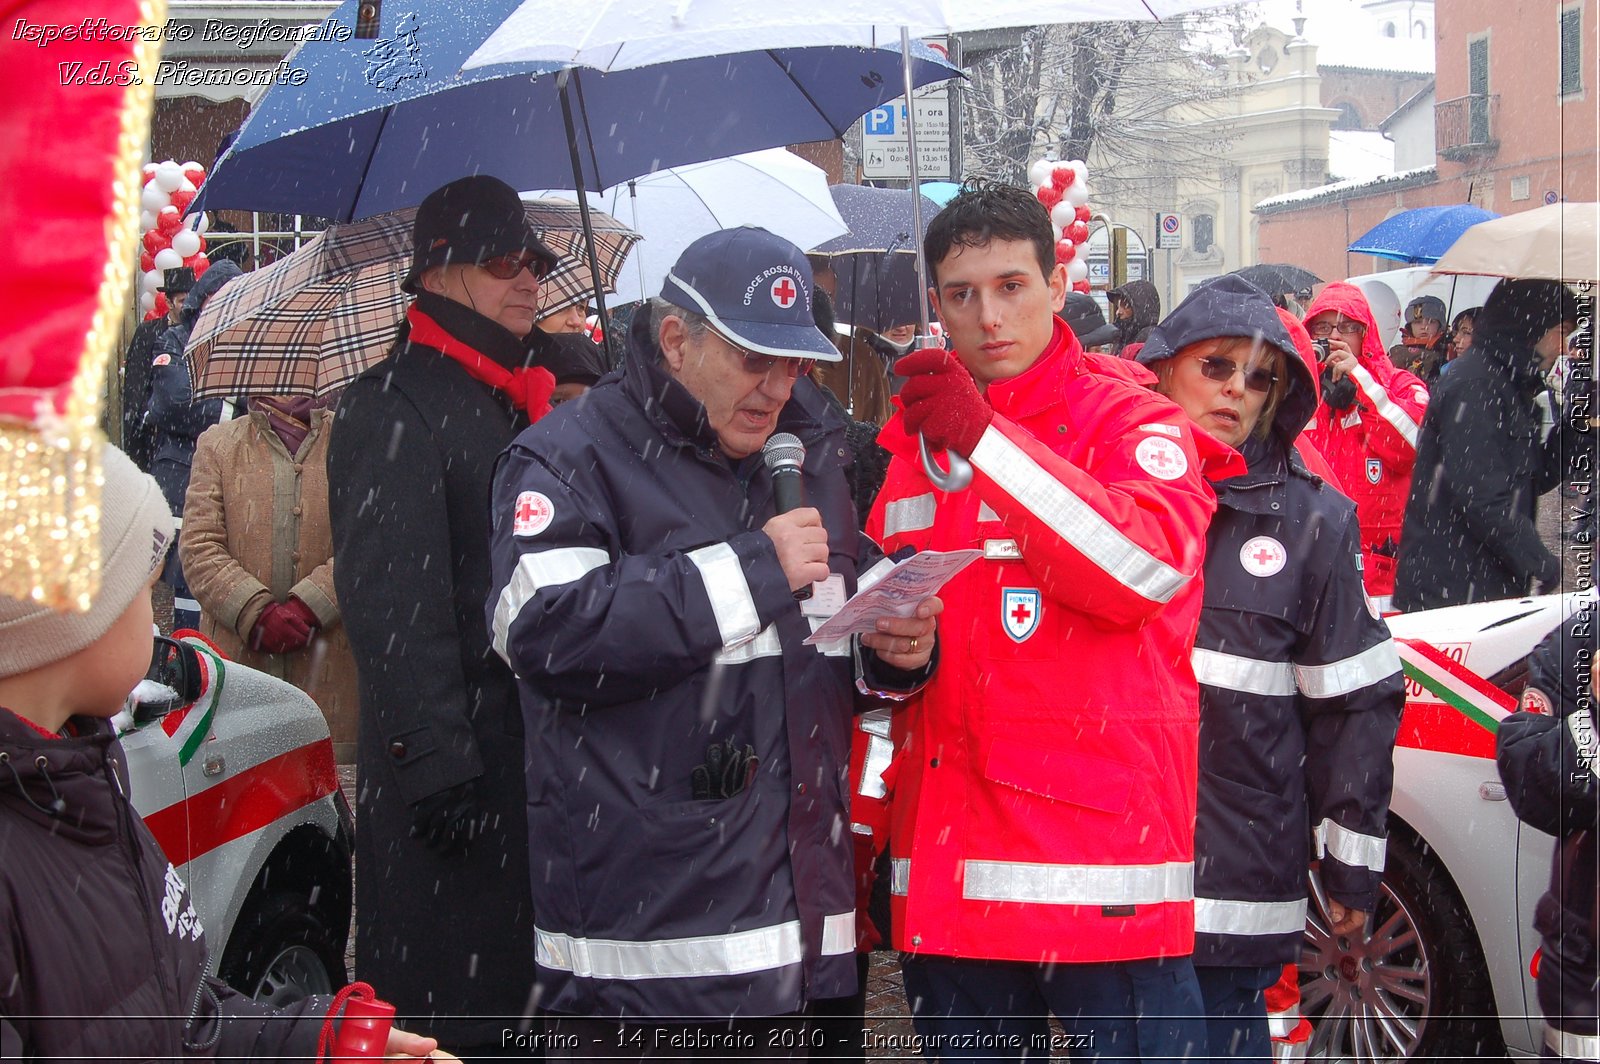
x,y
50,475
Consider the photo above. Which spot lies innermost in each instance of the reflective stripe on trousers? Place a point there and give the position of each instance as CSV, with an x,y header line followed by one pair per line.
x,y
742,952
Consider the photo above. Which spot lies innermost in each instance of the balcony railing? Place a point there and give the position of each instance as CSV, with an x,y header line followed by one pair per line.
x,y
1466,125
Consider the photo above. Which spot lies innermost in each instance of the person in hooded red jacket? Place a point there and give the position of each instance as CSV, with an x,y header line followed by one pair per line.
x,y
1366,425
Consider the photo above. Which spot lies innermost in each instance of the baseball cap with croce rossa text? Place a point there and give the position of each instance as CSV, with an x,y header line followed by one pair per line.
x,y
755,287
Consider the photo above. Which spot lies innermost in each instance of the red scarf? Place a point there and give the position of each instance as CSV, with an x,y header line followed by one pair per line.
x,y
529,389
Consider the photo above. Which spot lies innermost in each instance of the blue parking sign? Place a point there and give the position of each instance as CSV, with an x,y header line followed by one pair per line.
x,y
880,122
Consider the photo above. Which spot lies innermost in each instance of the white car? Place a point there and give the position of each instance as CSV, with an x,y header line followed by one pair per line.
x,y
234,774
1444,967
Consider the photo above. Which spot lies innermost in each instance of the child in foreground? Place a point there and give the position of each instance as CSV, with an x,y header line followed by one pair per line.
x,y
102,955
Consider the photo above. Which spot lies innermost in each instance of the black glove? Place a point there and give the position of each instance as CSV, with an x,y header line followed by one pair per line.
x,y
1338,394
728,770
450,820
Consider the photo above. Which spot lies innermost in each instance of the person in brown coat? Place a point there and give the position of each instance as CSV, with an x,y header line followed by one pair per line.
x,y
257,547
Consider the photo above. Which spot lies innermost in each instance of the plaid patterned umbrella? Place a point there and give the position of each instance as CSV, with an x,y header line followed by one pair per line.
x,y
310,322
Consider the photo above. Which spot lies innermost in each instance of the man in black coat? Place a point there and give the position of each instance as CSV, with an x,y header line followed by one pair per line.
x,y
138,434
1482,462
443,910
1549,759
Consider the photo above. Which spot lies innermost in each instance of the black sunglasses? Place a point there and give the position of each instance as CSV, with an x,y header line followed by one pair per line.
x,y
507,266
1221,370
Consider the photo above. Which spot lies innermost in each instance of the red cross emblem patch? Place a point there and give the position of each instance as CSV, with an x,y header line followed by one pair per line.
x,y
784,292
1019,611
1536,701
1374,470
532,514
1161,458
1263,556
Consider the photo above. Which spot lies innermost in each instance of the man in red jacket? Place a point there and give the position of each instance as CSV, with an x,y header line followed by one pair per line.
x,y
1366,426
1043,785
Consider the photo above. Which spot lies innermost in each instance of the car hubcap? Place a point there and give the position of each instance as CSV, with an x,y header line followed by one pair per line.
x,y
295,973
1367,994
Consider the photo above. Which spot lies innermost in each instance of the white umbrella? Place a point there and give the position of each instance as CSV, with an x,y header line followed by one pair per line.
x,y
620,34
1560,242
671,208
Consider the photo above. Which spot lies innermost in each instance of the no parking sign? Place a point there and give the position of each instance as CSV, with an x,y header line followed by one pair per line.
x,y
1169,230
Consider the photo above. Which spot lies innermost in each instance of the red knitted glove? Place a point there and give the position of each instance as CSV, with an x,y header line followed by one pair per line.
x,y
280,630
941,400
306,614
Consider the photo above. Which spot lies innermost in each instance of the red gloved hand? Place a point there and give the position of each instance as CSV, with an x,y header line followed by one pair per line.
x,y
281,628
941,400
306,615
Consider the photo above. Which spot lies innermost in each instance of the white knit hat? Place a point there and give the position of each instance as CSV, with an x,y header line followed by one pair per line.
x,y
135,533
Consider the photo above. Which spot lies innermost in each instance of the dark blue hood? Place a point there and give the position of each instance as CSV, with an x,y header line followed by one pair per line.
x,y
1232,306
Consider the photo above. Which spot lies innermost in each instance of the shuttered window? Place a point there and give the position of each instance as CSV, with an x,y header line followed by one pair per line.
x,y
1572,50
1478,87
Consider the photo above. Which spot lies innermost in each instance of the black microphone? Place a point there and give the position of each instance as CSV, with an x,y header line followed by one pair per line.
x,y
784,454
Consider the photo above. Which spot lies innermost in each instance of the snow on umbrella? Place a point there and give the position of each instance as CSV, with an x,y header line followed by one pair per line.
x,y
377,126
874,265
310,322
1557,243
672,208
1420,235
1279,278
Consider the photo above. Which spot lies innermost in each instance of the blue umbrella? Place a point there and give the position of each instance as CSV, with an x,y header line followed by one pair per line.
x,y
1420,235
941,192
875,264
378,124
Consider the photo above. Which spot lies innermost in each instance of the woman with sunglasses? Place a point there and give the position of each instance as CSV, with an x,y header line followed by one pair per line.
x,y
1300,687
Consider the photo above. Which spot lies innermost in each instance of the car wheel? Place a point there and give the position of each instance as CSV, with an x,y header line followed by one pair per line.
x,y
282,950
1412,983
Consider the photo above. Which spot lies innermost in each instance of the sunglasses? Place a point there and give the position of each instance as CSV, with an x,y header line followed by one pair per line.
x,y
1322,329
507,266
761,365
1221,370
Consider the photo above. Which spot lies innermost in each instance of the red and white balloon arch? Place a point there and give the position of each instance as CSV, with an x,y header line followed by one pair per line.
x,y
173,237
1063,188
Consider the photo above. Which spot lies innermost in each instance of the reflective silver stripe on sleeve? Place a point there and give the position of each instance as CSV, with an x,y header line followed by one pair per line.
x,y
1216,669
899,875
838,934
1570,1046
908,515
1386,407
537,570
1078,884
1351,847
1074,520
729,592
1377,662
1581,727
1220,916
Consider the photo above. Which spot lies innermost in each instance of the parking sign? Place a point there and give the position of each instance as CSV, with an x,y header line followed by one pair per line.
x,y
1169,230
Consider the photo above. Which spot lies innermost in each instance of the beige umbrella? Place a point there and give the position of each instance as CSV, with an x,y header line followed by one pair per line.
x,y
1556,243
312,321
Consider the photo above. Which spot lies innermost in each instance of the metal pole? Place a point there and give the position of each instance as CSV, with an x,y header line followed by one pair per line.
x,y
960,472
562,80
